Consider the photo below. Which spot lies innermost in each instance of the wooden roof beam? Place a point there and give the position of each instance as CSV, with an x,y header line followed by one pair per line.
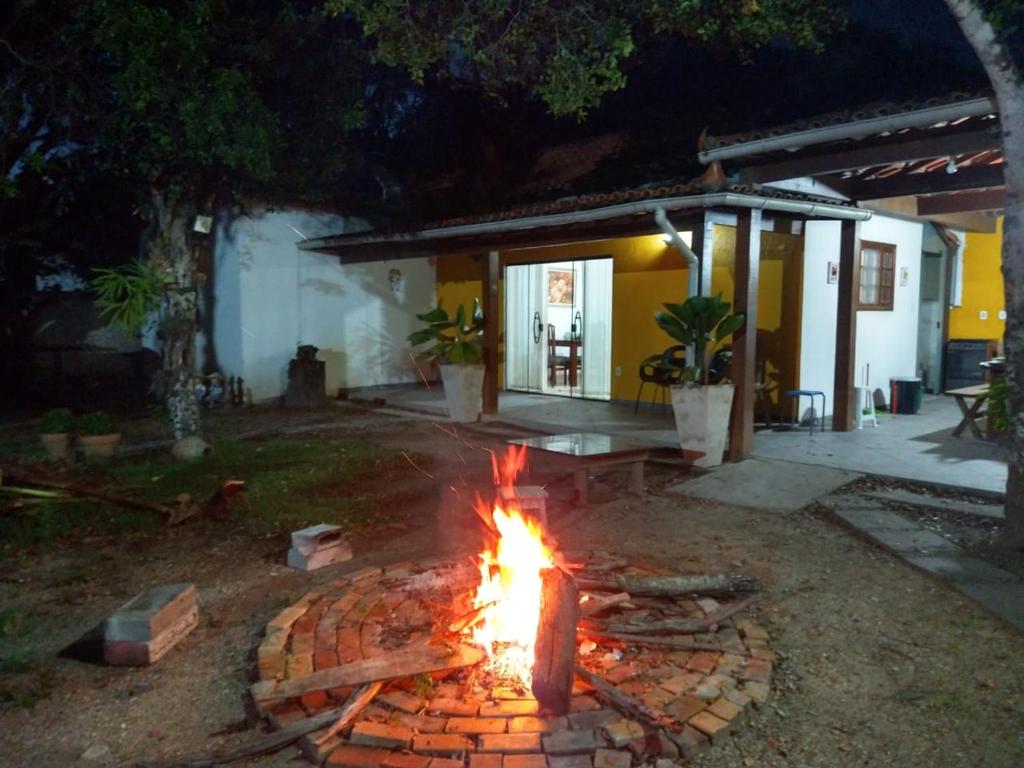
x,y
962,202
973,177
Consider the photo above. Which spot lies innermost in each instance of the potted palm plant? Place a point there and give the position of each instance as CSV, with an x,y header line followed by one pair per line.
x,y
55,432
456,346
98,436
700,402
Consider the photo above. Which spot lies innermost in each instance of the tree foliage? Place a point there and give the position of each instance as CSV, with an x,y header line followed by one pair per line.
x,y
569,53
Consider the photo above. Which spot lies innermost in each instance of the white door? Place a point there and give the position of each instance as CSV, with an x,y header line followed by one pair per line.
x,y
596,328
525,334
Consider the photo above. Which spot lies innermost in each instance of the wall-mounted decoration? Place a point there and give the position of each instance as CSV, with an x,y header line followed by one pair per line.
x,y
395,280
560,287
833,272
904,277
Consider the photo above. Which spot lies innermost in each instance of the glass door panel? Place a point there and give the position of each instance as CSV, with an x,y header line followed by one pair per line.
x,y
525,333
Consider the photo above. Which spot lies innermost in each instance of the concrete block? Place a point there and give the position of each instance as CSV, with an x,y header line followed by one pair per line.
x,y
129,653
963,570
320,558
316,537
149,614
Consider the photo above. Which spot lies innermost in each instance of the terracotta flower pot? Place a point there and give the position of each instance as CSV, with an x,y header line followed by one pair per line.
x,y
99,447
56,444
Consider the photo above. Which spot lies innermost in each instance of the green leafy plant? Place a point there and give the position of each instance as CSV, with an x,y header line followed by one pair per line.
x,y
97,423
997,418
455,341
128,294
702,322
57,421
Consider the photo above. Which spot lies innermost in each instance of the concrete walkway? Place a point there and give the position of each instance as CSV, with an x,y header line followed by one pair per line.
x,y
765,484
1001,592
918,447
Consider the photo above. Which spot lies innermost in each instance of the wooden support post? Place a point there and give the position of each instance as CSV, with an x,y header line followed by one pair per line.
x,y
845,393
702,246
555,651
744,341
489,282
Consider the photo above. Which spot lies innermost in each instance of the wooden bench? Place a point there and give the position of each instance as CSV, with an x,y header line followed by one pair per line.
x,y
971,413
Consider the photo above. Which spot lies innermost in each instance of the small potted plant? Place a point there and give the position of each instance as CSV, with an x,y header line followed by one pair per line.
x,y
55,433
456,346
98,436
700,403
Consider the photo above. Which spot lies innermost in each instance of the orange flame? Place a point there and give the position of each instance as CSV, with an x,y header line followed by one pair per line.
x,y
510,577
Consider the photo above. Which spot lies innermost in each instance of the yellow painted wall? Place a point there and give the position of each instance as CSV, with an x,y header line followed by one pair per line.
x,y
982,288
646,274
778,302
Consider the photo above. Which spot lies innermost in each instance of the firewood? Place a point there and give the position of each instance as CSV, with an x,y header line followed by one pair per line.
x,y
404,663
354,704
654,641
708,584
555,651
263,744
467,620
624,703
681,626
596,604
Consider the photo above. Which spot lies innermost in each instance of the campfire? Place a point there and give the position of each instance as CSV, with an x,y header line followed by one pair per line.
x,y
521,579
526,650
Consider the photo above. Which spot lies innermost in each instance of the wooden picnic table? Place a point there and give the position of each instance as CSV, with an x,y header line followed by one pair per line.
x,y
978,394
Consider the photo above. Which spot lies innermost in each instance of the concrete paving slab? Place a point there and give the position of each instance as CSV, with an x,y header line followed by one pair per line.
x,y
906,542
874,518
1007,600
963,569
904,496
765,484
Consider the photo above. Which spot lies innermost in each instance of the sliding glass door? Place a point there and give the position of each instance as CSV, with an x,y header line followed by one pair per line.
x,y
558,328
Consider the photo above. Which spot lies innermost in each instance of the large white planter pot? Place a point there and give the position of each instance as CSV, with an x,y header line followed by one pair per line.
x,y
702,419
463,391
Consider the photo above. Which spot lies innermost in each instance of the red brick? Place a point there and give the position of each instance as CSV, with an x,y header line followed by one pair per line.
x,y
445,762
456,707
685,707
702,661
405,760
585,721
526,761
485,760
381,735
711,726
724,709
572,742
612,758
509,707
583,704
690,741
324,659
510,743
621,732
314,700
757,671
402,701
351,756
441,744
570,761
537,724
476,725
621,673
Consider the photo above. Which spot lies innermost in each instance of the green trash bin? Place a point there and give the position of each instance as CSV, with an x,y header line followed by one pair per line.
x,y
905,394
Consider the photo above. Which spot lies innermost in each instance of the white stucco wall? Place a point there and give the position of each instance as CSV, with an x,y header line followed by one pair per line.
x,y
886,341
358,315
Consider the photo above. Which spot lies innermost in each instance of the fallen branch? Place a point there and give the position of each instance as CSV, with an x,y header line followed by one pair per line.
x,y
262,745
667,586
355,704
682,626
626,704
595,604
654,641
404,663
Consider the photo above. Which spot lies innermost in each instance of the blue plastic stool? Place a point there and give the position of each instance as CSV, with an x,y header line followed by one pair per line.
x,y
811,393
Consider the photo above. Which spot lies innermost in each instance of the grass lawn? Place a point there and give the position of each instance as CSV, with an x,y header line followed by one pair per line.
x,y
290,482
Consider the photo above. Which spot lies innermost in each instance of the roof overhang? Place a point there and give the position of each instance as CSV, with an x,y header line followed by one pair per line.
x,y
595,223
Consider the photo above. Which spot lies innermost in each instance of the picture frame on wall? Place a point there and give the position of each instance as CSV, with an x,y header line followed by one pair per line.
x,y
561,285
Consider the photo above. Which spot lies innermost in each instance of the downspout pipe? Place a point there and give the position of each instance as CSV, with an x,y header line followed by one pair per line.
x,y
692,262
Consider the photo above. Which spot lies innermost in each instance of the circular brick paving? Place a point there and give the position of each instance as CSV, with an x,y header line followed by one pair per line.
x,y
459,718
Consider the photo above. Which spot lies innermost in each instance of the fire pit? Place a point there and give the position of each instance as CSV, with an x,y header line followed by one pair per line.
x,y
525,658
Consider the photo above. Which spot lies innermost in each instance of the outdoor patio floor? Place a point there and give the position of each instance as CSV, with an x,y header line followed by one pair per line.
x,y
919,448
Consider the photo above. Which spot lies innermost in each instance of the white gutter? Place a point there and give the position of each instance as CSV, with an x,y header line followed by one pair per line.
x,y
708,200
693,268
920,118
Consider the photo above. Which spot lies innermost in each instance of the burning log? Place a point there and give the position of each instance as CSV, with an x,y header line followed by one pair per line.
x,y
404,663
668,586
555,650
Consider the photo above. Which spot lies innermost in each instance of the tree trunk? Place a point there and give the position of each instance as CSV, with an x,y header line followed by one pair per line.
x,y
1008,83
170,250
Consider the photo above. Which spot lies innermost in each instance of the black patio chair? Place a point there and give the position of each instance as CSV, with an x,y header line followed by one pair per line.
x,y
662,371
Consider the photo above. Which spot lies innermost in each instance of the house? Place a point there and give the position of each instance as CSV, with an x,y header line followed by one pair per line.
x,y
266,295
856,244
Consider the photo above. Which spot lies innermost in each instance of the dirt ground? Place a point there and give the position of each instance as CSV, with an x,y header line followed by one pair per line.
x,y
879,664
